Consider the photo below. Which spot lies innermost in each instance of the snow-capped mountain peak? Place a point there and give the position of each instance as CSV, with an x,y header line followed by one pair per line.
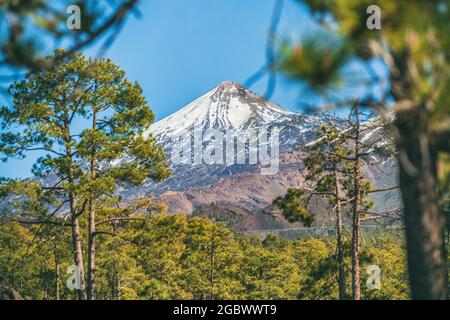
x,y
196,184
227,106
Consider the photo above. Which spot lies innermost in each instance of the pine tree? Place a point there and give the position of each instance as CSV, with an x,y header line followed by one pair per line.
x,y
211,256
357,190
160,245
334,172
326,166
46,106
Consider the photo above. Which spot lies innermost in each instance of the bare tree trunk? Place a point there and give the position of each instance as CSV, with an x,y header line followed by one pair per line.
x,y
91,221
91,253
76,242
356,278
116,276
78,252
57,288
340,242
75,224
356,286
425,224
117,280
356,232
212,265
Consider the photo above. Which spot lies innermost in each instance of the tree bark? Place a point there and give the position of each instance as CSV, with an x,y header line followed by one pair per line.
x,y
57,288
91,253
116,273
356,278
78,252
75,224
91,220
212,266
340,242
425,224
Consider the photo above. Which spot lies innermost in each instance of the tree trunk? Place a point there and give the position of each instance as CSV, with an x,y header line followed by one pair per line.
x,y
340,242
78,254
57,288
212,265
424,223
116,273
356,232
356,285
75,224
91,233
91,253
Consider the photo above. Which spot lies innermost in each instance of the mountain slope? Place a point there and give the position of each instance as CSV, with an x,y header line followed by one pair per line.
x,y
196,187
229,107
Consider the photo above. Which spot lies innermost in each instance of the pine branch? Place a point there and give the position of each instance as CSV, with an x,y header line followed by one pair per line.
x,y
118,219
384,189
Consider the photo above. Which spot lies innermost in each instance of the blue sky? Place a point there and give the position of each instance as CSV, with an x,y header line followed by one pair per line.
x,y
180,49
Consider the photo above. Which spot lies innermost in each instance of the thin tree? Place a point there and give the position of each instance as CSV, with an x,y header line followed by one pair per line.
x,y
334,172
325,166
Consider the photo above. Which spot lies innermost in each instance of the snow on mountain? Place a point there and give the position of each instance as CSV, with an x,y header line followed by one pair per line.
x,y
229,107
233,108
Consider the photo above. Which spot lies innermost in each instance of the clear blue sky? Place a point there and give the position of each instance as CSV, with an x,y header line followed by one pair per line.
x,y
180,49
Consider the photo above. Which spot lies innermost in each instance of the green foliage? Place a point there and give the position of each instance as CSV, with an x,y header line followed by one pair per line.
x,y
330,162
81,169
29,257
211,258
293,206
170,257
160,243
268,269
47,103
317,267
15,271
46,106
386,252
413,47
317,62
390,257
34,25
413,43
